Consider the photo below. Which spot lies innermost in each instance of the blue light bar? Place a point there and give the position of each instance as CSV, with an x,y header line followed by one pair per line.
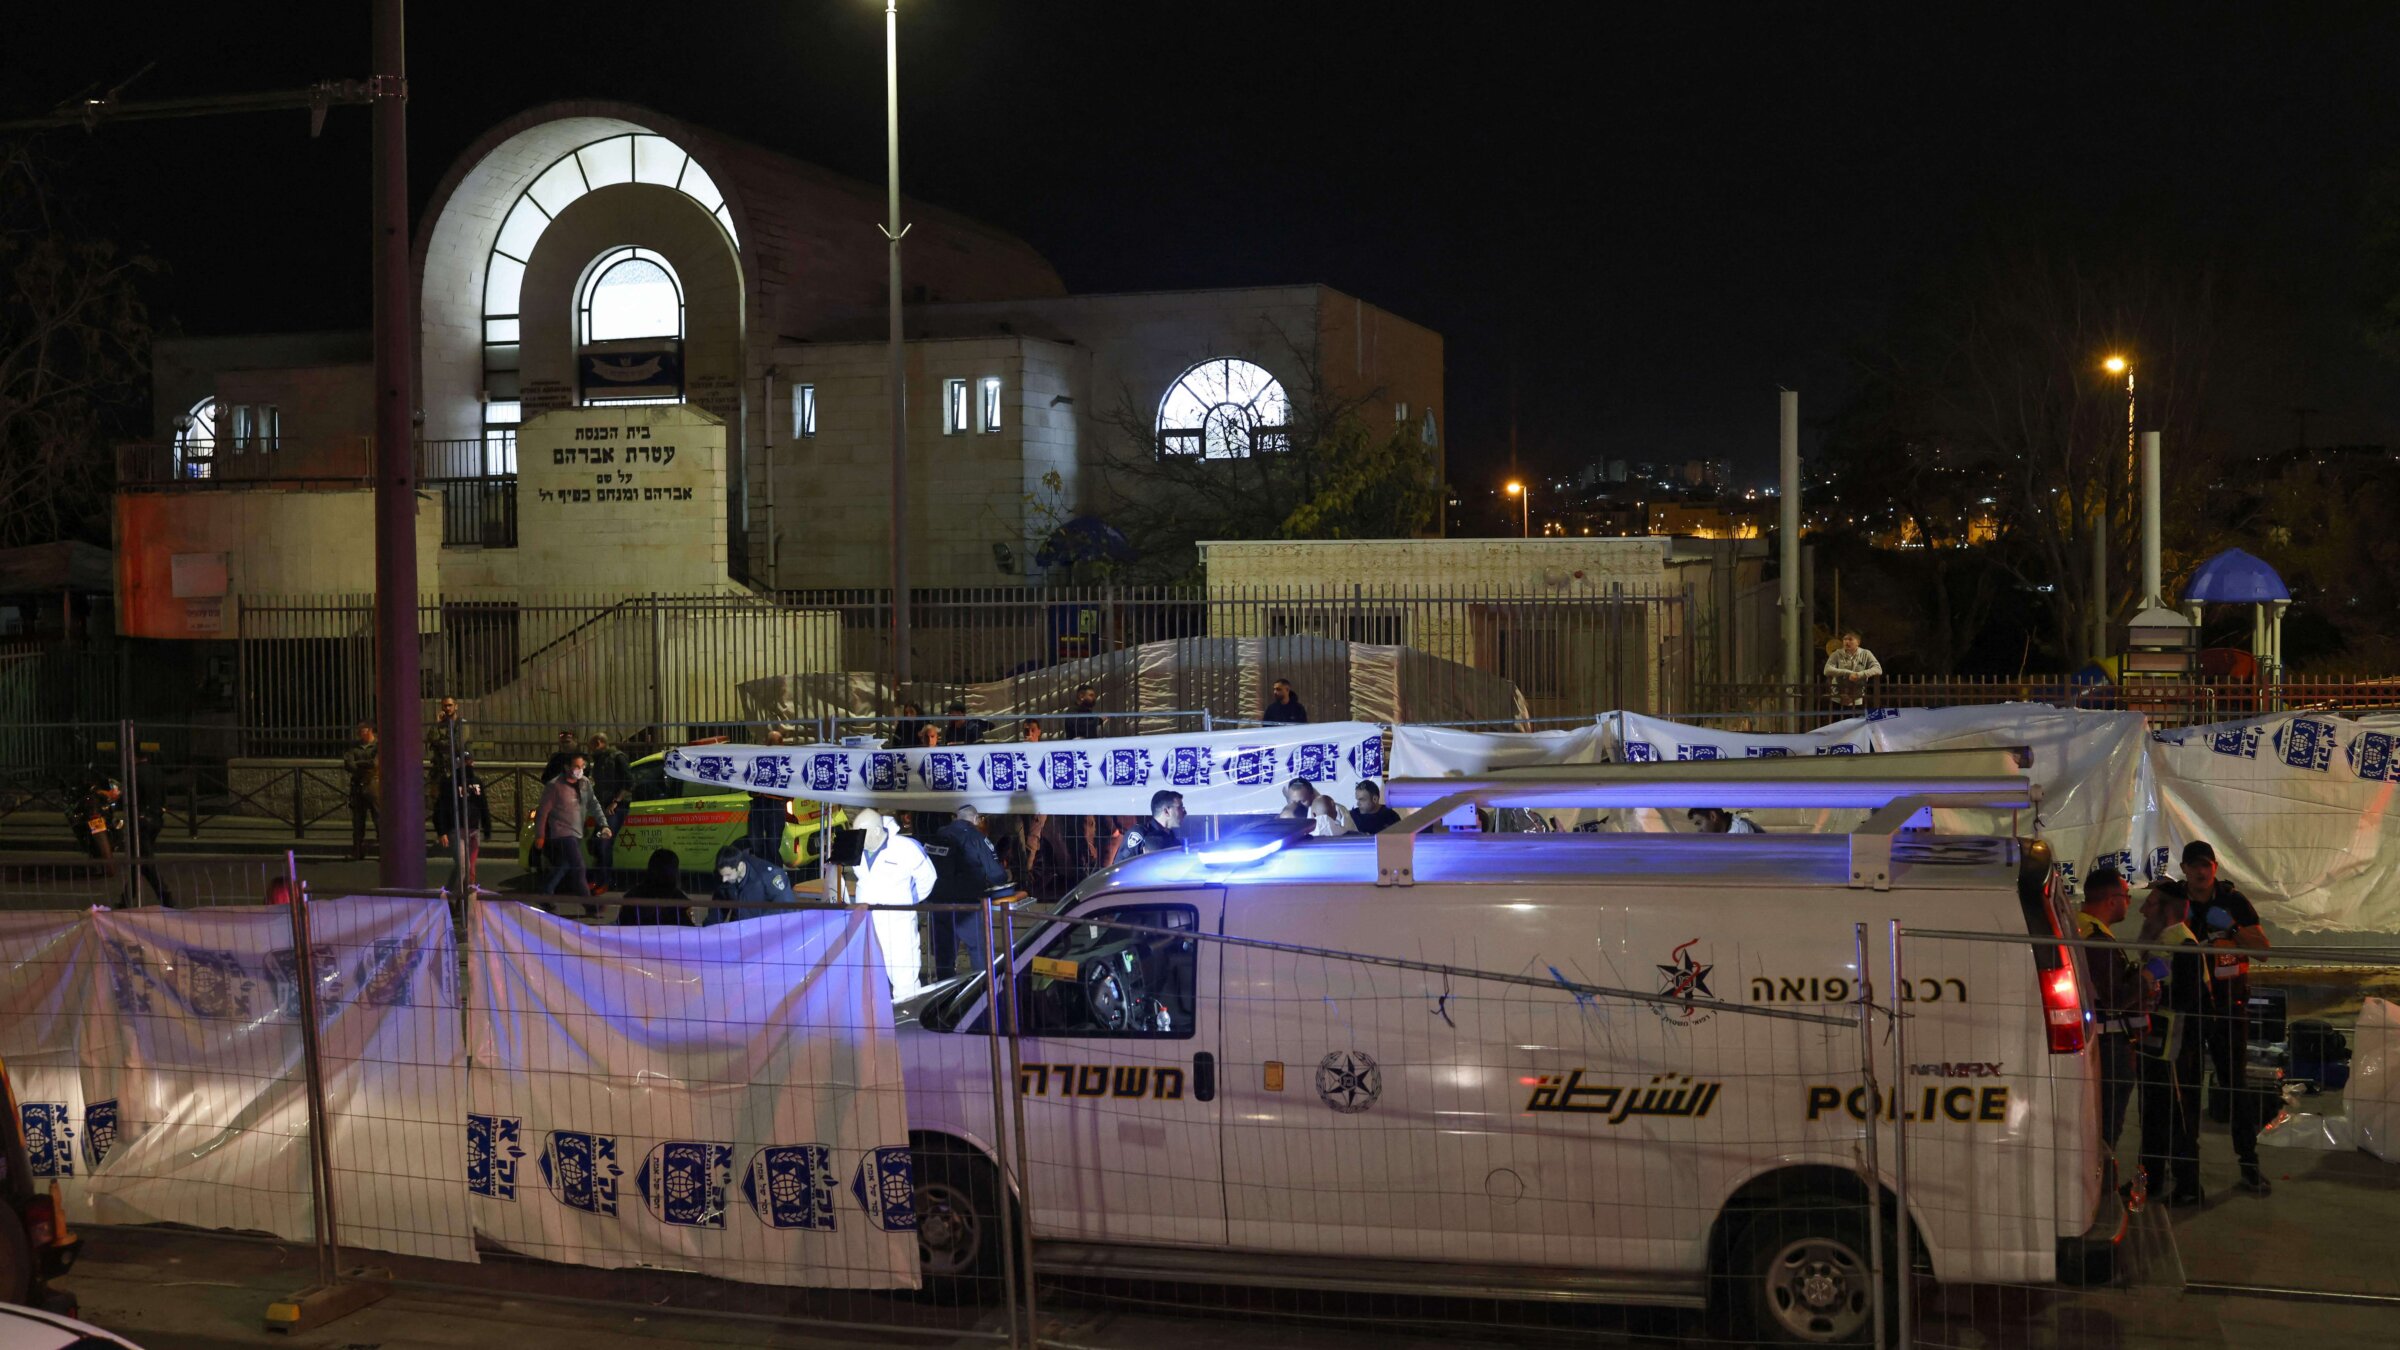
x,y
1235,852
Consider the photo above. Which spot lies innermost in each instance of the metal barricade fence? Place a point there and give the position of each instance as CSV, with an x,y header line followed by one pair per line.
x,y
2225,1123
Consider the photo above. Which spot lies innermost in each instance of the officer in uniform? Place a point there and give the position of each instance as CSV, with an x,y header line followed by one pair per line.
x,y
2115,979
2169,1050
2226,921
745,878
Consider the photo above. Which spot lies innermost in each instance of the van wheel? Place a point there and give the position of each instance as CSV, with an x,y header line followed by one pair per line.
x,y
1802,1276
959,1226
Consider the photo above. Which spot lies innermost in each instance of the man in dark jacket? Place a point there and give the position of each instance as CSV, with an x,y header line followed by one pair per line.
x,y
1159,832
558,758
662,882
612,792
962,729
745,879
2115,981
358,762
965,870
1372,816
462,820
2224,920
1283,704
2169,1052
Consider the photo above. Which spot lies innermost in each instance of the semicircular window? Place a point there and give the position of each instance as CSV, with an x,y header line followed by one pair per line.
x,y
629,319
196,440
1224,408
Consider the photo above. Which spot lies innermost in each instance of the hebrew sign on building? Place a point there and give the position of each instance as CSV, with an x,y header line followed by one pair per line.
x,y
601,487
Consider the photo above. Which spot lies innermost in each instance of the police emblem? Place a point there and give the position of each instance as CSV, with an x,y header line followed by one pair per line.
x,y
1366,757
1062,769
1004,771
2371,756
947,771
1126,767
2305,744
581,1170
494,1148
716,768
1189,766
791,1186
886,1190
829,773
1349,1081
2239,742
770,771
887,773
1251,767
684,1182
49,1138
99,1131
1317,761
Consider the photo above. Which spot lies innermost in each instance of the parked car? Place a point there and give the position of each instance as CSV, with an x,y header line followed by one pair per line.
x,y
33,1329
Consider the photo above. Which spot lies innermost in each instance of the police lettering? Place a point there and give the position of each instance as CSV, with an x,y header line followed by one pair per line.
x,y
1958,1105
1121,1082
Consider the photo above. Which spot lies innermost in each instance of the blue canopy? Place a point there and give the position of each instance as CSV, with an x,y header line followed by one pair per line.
x,y
2235,578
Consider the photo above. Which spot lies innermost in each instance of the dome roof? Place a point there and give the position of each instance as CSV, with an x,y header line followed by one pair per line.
x,y
2235,578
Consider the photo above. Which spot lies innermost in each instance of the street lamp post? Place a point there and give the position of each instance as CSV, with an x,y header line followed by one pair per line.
x,y
1525,497
2114,365
899,359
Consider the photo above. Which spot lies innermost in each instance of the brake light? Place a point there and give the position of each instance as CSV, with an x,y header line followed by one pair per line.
x,y
2062,1008
41,1221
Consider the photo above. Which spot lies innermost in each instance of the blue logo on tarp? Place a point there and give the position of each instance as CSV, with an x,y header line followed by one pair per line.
x,y
684,1182
716,768
1367,757
387,974
2372,756
886,1190
1882,714
581,1170
1189,766
1127,767
829,773
1837,749
791,1186
1640,752
1005,771
2241,742
2156,868
2304,744
1062,769
283,978
948,772
494,1147
1317,761
1765,752
216,983
770,771
1695,752
99,1131
49,1138
1251,767
887,773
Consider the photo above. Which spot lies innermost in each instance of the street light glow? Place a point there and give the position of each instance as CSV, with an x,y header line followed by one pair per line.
x,y
2114,365
1515,487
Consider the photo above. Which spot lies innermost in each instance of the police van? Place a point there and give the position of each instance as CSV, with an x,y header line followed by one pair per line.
x,y
1656,1091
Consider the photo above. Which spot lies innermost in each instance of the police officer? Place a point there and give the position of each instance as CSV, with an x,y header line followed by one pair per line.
x,y
2225,920
746,879
2115,979
965,870
2169,1050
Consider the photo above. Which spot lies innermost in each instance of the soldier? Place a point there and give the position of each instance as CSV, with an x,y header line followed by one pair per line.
x,y
2115,979
2169,1050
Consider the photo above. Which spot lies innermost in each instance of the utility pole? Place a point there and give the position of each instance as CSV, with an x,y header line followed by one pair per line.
x,y
1789,510
397,688
899,372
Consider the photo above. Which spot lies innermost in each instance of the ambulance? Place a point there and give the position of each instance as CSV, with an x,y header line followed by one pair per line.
x,y
1615,1068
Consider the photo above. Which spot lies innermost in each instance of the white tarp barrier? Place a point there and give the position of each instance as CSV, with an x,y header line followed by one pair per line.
x,y
192,1056
45,984
724,1099
2300,810
1454,752
2372,1101
1219,773
2096,797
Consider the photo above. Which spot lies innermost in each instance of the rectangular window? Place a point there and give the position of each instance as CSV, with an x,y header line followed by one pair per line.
x,y
988,414
954,407
1147,983
503,412
804,410
1400,413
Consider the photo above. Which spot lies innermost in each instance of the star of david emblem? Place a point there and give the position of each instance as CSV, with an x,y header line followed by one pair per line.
x,y
1348,1081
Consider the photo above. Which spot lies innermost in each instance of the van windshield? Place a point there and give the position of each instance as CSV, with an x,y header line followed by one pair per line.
x,y
946,1009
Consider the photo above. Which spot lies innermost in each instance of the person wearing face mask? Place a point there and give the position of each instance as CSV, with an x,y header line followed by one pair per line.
x,y
894,871
558,828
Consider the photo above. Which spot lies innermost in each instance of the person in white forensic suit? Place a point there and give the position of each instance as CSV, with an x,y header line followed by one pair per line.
x,y
895,871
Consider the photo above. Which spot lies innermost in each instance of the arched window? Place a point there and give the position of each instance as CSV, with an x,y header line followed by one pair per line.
x,y
630,293
196,440
1223,408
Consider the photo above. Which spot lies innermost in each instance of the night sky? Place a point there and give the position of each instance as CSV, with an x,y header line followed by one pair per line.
x,y
1652,219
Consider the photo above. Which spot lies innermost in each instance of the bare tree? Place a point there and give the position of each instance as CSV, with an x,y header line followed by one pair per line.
x,y
74,345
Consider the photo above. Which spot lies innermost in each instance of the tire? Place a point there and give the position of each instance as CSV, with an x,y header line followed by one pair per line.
x,y
959,1225
16,1259
1799,1275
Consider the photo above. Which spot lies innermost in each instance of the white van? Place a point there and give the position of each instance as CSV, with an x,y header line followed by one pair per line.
x,y
1281,1115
